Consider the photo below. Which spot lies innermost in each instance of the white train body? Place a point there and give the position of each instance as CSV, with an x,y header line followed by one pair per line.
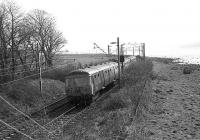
x,y
89,81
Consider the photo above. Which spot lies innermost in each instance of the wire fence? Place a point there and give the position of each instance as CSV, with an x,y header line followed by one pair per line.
x,y
42,72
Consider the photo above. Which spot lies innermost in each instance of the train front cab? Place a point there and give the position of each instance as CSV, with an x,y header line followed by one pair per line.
x,y
77,85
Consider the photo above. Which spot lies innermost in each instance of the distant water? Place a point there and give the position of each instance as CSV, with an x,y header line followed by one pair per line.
x,y
188,59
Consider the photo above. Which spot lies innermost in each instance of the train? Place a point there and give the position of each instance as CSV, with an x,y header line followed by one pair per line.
x,y
86,84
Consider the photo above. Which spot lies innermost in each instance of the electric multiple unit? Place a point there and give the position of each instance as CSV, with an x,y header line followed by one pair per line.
x,y
88,82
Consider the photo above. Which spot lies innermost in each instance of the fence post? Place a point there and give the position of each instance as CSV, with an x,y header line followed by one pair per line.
x,y
143,50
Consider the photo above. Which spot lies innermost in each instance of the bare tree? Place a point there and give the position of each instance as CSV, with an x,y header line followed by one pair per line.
x,y
3,41
23,36
45,34
11,30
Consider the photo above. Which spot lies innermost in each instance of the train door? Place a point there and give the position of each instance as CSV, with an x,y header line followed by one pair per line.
x,y
102,78
113,73
106,77
109,76
92,85
97,82
94,78
116,72
100,83
109,72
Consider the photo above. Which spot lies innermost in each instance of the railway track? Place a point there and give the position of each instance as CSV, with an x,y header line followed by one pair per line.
x,y
60,114
34,121
69,120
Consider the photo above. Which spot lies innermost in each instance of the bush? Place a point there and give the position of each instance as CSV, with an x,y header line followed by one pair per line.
x,y
22,92
26,93
187,70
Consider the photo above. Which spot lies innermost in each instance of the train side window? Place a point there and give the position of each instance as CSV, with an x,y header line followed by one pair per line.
x,y
94,76
98,75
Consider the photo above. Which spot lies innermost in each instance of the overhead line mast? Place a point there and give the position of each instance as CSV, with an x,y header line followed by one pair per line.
x,y
96,46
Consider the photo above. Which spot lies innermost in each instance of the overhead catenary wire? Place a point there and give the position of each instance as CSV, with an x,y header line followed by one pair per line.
x,y
17,73
18,79
19,66
33,63
34,74
23,56
22,72
17,58
16,129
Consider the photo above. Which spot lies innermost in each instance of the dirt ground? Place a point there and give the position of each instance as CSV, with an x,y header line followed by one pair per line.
x,y
177,99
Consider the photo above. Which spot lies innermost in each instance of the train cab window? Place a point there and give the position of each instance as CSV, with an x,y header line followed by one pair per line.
x,y
77,81
94,76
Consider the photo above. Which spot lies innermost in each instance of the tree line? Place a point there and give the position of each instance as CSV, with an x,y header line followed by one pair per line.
x,y
22,37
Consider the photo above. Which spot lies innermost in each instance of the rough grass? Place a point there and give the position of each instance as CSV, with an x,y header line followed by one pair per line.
x,y
26,95
122,114
115,102
165,60
128,106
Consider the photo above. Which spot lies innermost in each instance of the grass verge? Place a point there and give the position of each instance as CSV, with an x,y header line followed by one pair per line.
x,y
120,116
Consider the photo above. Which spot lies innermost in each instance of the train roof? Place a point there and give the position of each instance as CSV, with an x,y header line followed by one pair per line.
x,y
93,69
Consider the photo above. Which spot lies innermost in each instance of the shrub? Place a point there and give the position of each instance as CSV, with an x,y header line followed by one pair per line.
x,y
187,70
26,93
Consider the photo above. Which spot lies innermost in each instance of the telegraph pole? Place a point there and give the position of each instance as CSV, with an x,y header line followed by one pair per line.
x,y
40,69
108,49
139,50
119,75
118,54
143,50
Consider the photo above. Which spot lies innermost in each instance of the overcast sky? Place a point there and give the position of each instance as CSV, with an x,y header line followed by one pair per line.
x,y
168,27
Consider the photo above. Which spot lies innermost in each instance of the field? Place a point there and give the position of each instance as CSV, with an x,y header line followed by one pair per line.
x,y
84,59
166,107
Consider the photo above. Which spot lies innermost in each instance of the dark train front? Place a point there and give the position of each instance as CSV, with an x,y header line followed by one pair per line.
x,y
83,85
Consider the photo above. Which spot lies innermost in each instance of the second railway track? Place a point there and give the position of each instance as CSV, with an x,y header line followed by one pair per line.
x,y
59,114
34,121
